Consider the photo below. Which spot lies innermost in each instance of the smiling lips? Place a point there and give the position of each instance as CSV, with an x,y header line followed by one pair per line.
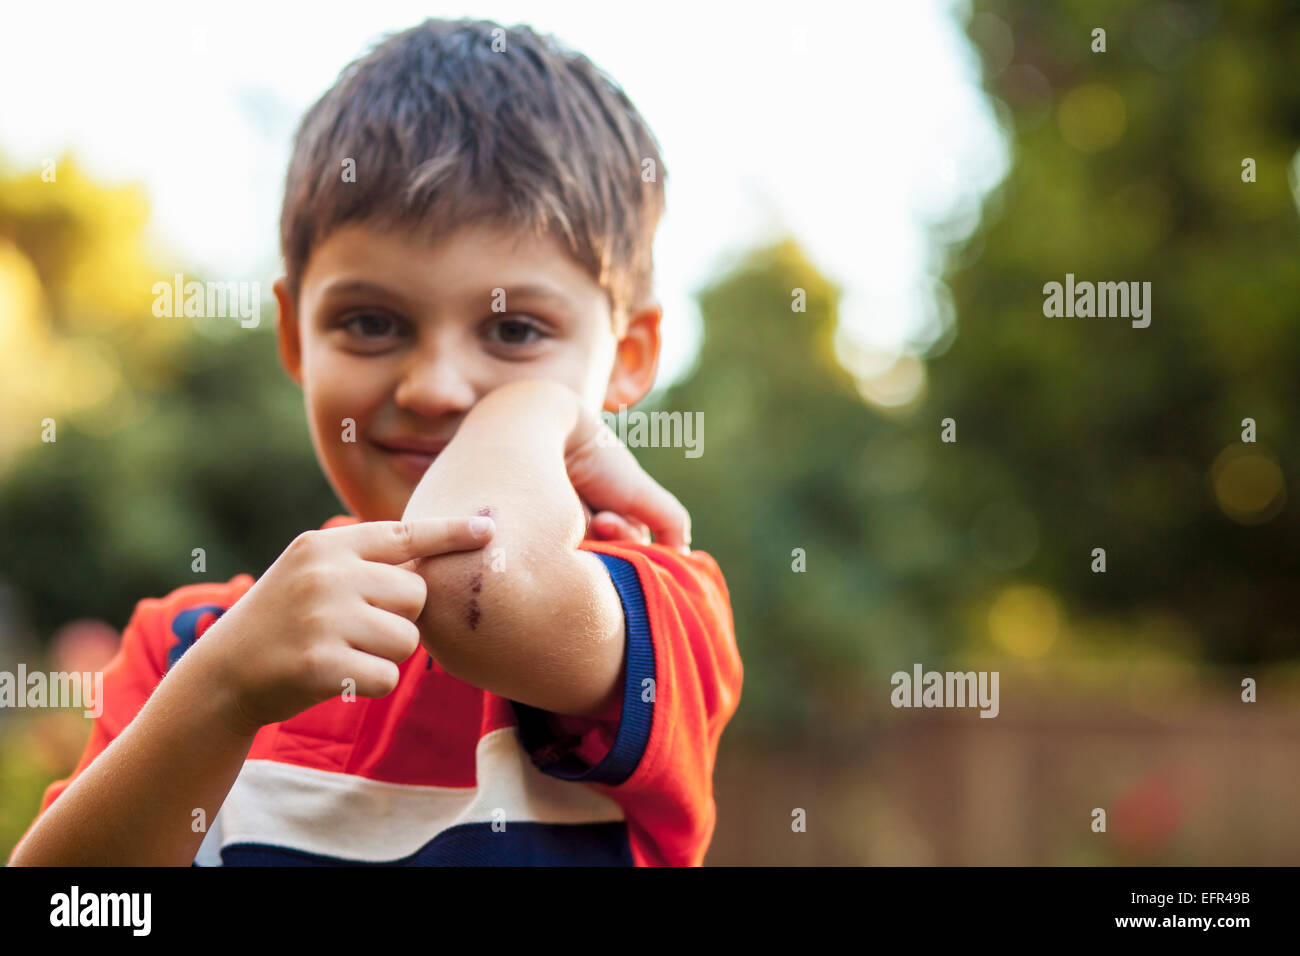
x,y
413,458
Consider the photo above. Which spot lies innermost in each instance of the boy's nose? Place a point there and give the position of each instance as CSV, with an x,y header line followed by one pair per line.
x,y
435,385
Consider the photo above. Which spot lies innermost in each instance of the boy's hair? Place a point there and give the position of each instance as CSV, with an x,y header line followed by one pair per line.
x,y
444,131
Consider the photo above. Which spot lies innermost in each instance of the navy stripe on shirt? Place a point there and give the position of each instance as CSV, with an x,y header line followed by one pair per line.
x,y
637,715
475,844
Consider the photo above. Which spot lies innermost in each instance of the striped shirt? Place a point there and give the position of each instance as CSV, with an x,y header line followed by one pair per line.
x,y
440,772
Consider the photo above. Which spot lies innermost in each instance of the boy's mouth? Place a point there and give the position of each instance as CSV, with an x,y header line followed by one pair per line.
x,y
412,458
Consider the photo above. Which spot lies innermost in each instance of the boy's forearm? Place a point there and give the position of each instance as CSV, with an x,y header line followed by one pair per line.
x,y
530,617
134,805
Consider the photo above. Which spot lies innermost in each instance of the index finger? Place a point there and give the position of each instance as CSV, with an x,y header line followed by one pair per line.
x,y
660,510
395,542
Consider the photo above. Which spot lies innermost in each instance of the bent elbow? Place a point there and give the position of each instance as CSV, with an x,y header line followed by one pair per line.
x,y
474,601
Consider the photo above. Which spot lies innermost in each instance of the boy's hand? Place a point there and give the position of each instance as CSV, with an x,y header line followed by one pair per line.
x,y
336,604
608,526
608,478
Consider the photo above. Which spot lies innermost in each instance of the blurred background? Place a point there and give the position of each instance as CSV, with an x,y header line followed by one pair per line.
x,y
920,173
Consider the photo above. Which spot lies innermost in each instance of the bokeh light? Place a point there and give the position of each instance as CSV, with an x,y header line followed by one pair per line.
x,y
1092,117
1248,484
1025,621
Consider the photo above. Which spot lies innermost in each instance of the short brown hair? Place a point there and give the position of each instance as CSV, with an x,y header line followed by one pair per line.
x,y
444,130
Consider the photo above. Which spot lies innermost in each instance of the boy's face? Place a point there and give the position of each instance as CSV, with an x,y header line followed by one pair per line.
x,y
404,336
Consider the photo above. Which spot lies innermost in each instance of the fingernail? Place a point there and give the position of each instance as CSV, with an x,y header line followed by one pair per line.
x,y
480,527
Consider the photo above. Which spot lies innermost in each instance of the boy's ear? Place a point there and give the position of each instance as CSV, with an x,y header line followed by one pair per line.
x,y
636,359
286,331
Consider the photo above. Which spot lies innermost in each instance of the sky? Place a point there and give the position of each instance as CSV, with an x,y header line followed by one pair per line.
x,y
853,127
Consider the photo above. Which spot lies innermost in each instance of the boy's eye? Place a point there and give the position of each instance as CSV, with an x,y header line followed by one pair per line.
x,y
369,325
513,331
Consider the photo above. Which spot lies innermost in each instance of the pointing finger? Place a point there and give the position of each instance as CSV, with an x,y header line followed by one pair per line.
x,y
396,542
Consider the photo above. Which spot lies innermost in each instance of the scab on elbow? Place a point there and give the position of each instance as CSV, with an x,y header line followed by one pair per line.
x,y
472,610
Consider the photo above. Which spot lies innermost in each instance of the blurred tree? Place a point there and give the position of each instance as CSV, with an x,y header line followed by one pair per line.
x,y
788,498
1072,433
172,433
1096,434
75,295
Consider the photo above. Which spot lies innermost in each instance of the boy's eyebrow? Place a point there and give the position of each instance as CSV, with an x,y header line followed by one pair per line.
x,y
356,285
537,291
531,290
364,286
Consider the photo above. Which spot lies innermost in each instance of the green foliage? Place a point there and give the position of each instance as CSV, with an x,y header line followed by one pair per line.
x,y
1106,433
1073,433
220,461
786,465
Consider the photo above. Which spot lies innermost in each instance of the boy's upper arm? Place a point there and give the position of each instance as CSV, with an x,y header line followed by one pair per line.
x,y
653,751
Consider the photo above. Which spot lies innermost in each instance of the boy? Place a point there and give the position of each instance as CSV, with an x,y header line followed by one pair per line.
x,y
450,674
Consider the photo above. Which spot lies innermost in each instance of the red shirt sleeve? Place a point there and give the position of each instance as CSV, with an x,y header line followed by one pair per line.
x,y
654,751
